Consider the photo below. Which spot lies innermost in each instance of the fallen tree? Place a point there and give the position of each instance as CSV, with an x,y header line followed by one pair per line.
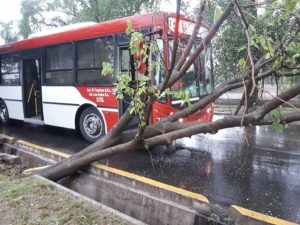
x,y
277,59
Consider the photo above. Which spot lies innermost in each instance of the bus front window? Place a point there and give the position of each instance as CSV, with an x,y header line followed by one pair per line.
x,y
159,73
159,69
197,78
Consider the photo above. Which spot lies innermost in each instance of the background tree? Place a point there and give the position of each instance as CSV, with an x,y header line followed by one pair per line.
x,y
6,32
229,45
38,15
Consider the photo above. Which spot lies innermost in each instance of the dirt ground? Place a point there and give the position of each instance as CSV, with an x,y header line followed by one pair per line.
x,y
30,201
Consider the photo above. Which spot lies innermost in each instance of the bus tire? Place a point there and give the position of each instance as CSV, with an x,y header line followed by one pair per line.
x,y
4,116
91,124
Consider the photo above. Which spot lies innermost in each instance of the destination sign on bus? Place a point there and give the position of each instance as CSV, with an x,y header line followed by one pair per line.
x,y
185,27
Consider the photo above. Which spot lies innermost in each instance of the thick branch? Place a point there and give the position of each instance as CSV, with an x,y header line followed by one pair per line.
x,y
191,42
106,141
164,132
212,127
172,71
211,33
283,119
176,39
229,85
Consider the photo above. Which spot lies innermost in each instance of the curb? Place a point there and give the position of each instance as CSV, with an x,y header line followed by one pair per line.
x,y
245,216
7,139
144,199
239,214
121,173
129,219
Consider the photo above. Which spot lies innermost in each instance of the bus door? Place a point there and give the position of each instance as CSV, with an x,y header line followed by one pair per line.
x,y
32,89
126,65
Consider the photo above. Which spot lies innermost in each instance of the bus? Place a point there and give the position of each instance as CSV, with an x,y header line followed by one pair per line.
x,y
55,78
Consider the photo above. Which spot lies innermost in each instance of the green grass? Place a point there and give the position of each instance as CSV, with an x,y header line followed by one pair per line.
x,y
30,201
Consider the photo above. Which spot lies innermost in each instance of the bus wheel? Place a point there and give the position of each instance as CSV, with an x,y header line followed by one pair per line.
x,y
4,118
91,124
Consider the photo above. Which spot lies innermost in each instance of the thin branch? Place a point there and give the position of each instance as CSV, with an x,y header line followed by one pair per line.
x,y
246,100
245,24
178,73
255,4
176,39
231,84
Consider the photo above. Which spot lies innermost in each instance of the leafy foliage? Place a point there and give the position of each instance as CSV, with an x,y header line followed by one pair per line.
x,y
107,69
229,46
6,32
276,124
140,89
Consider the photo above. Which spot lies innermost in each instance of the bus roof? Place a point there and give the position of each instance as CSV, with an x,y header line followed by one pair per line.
x,y
85,32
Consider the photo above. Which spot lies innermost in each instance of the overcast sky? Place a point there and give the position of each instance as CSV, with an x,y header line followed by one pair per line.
x,y
9,10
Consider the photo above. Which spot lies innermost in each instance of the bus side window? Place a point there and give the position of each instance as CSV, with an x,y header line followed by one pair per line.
x,y
10,70
59,65
126,65
159,69
124,60
90,56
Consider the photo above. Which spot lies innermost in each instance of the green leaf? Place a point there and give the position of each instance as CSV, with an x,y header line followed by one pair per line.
x,y
135,38
254,44
267,13
242,48
132,110
270,46
291,5
295,71
297,55
153,48
120,96
217,13
107,70
277,126
252,28
262,42
129,28
242,62
142,124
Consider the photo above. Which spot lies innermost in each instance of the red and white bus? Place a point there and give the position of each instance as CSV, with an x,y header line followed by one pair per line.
x,y
55,78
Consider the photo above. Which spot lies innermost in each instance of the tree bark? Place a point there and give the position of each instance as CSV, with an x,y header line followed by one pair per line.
x,y
165,131
253,118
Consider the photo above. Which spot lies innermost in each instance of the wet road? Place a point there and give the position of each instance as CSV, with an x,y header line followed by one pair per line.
x,y
256,167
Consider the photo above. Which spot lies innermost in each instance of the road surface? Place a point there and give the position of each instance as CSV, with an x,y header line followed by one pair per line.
x,y
255,168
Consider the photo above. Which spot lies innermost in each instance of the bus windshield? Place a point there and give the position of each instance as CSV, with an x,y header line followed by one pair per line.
x,y
197,79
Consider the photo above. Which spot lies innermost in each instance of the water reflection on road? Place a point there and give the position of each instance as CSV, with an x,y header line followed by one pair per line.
x,y
252,167
255,167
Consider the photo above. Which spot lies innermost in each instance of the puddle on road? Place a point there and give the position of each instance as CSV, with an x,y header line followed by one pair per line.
x,y
263,177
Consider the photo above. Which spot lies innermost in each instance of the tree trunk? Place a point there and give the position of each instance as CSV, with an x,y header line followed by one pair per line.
x,y
165,131
59,171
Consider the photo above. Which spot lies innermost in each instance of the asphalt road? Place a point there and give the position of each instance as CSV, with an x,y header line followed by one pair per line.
x,y
256,167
